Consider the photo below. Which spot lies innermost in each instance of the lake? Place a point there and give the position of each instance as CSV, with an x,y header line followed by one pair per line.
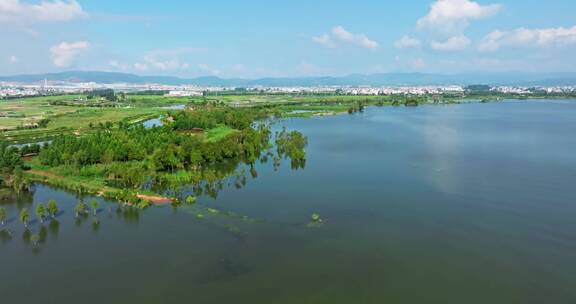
x,y
471,203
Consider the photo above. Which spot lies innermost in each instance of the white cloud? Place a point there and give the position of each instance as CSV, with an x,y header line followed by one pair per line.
x,y
306,68
45,11
340,35
208,69
142,67
523,37
453,16
164,60
455,43
418,64
407,42
325,40
13,59
117,65
65,53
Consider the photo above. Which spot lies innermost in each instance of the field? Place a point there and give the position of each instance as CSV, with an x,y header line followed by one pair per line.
x,y
39,119
21,119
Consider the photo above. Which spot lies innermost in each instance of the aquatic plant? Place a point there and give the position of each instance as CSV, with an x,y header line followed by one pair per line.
x,y
24,217
40,212
94,205
52,208
80,208
190,200
316,218
2,216
142,204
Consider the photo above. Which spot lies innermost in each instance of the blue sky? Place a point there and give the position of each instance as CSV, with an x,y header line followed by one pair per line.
x,y
294,38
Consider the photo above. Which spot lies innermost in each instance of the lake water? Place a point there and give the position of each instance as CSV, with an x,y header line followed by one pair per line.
x,y
470,203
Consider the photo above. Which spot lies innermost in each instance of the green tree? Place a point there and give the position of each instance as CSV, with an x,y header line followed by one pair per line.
x,y
80,209
52,208
41,212
24,217
2,216
94,205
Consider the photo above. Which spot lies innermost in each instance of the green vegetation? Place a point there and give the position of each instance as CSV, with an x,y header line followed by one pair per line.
x,y
190,200
2,216
9,160
315,218
200,147
24,217
80,209
94,205
42,118
40,212
52,208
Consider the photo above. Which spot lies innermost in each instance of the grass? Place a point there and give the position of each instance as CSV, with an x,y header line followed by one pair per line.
x,y
218,133
63,177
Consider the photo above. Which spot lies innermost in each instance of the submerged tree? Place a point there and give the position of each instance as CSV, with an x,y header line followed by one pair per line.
x,y
190,200
80,209
35,239
41,212
94,205
2,216
52,208
24,217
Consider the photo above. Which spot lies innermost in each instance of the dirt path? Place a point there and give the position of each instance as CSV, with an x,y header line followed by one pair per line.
x,y
44,174
158,200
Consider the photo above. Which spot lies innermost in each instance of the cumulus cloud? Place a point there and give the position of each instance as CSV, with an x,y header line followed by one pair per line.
x,y
13,59
164,60
455,43
339,35
64,54
208,69
45,11
407,42
453,16
523,37
325,40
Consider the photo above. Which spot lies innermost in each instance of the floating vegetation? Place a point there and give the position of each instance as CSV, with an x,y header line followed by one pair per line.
x,y
315,220
190,200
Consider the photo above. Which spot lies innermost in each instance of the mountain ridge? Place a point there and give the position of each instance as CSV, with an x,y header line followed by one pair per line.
x,y
380,79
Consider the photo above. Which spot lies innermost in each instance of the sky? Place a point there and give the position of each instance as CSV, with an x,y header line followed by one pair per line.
x,y
252,39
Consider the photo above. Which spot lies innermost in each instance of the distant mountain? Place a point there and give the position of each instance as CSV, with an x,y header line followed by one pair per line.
x,y
384,79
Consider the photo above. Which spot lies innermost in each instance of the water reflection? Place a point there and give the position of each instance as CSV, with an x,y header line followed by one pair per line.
x,y
26,235
54,228
42,234
129,214
5,235
95,224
